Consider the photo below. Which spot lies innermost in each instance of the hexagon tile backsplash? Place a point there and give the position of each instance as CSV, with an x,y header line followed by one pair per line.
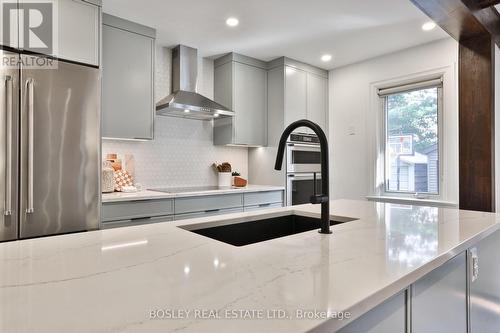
x,y
180,155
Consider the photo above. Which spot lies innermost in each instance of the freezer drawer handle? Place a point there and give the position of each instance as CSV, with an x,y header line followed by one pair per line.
x,y
8,148
31,92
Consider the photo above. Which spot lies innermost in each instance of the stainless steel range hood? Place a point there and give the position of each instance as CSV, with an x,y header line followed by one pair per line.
x,y
185,101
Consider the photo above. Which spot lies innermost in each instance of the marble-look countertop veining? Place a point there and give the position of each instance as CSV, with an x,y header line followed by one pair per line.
x,y
149,194
111,280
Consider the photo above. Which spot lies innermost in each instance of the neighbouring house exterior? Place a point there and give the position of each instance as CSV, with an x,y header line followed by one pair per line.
x,y
418,172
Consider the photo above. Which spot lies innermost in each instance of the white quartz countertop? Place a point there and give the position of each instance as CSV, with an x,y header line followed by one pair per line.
x,y
149,194
111,280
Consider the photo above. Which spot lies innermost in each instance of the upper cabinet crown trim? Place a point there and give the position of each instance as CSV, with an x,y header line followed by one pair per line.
x,y
94,2
284,61
235,57
118,22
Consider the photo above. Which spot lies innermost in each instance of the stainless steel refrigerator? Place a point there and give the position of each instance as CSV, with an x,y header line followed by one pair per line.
x,y
49,148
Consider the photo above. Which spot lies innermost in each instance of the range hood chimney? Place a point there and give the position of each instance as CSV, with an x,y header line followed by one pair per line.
x,y
185,102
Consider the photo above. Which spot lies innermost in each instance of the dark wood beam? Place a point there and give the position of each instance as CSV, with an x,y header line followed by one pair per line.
x,y
487,3
463,19
477,29
488,17
476,124
453,16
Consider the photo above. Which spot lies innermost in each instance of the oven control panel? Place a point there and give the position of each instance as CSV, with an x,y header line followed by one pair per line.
x,y
304,138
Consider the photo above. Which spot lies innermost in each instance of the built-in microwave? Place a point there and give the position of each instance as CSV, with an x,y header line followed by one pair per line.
x,y
303,153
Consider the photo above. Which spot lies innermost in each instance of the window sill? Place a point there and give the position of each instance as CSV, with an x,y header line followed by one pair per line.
x,y
412,201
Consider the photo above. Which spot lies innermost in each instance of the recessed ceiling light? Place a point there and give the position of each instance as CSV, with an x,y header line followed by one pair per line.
x,y
428,26
216,115
232,21
186,110
326,57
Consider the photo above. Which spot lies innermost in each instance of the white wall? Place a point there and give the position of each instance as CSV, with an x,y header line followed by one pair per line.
x,y
351,118
182,152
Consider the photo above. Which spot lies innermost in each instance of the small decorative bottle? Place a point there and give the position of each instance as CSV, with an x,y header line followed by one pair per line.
x,y
107,178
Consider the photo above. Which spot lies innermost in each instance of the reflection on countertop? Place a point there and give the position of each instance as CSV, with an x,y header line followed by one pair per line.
x,y
118,276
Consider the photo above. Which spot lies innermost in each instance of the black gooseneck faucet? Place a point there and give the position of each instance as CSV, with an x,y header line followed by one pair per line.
x,y
323,198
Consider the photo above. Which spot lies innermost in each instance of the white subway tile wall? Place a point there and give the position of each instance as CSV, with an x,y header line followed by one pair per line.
x,y
182,152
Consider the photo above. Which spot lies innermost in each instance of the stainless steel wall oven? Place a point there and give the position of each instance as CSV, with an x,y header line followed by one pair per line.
x,y
303,159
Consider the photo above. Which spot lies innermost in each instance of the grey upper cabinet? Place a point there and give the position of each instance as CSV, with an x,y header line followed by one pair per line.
x,y
295,95
79,28
128,81
241,85
317,99
305,92
9,38
77,35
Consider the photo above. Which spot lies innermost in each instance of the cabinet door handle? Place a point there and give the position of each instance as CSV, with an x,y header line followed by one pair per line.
x,y
31,106
474,264
212,210
8,147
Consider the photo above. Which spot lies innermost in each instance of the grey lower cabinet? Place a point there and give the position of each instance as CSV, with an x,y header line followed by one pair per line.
x,y
388,317
206,213
436,303
240,83
202,206
262,206
136,221
485,286
125,210
127,79
127,213
439,299
263,200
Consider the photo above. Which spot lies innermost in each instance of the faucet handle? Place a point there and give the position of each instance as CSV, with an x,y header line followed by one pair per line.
x,y
317,198
314,184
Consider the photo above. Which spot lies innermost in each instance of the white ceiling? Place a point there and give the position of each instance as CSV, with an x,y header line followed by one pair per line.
x,y
350,30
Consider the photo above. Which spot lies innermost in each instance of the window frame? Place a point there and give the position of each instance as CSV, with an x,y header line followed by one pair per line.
x,y
384,136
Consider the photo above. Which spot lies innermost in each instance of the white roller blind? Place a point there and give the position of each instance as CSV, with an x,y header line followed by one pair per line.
x,y
409,87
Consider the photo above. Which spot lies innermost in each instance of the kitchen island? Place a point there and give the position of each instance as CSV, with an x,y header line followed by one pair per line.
x,y
162,278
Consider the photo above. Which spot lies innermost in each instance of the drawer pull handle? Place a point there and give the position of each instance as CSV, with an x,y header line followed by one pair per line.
x,y
212,210
265,205
141,218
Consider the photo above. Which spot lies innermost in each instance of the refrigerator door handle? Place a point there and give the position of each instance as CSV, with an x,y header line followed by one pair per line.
x,y
31,103
8,148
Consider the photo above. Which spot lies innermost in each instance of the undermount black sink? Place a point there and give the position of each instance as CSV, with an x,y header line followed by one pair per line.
x,y
245,233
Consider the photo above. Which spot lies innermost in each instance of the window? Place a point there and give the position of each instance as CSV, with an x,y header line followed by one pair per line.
x,y
411,137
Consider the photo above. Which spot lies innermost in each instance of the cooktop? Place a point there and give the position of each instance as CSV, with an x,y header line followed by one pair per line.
x,y
187,189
